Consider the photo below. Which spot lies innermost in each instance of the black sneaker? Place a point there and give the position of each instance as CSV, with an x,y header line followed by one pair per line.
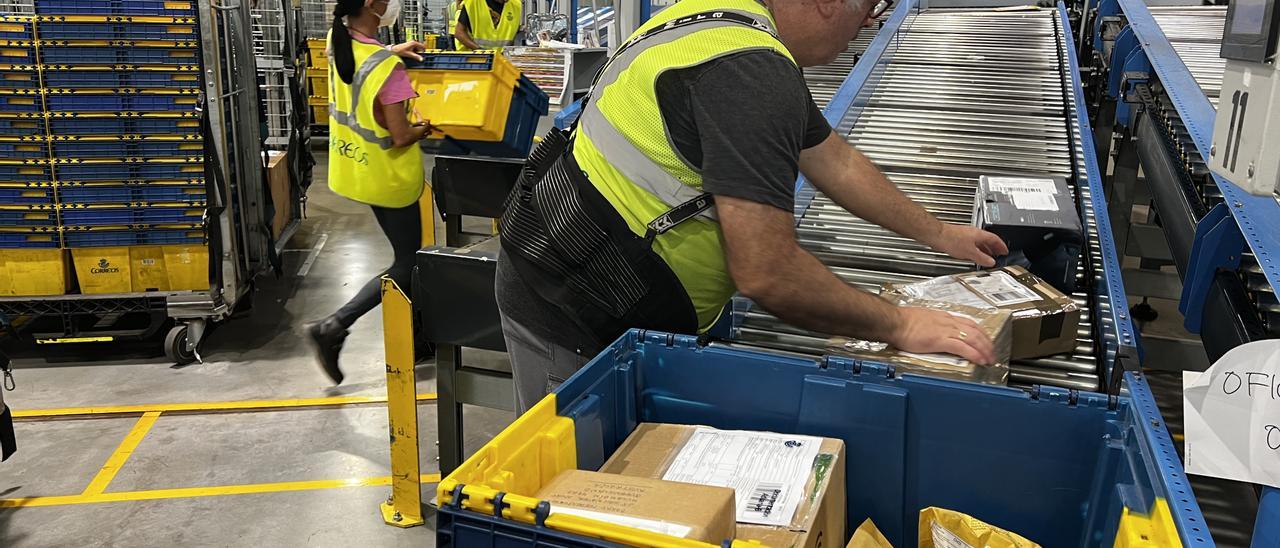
x,y
327,336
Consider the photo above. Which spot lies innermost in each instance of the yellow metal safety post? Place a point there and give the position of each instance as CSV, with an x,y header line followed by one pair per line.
x,y
404,507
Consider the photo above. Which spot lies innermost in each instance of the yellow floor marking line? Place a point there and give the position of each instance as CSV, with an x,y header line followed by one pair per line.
x,y
203,407
192,492
122,453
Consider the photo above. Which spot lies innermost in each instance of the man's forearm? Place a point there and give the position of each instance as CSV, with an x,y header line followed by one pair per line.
x,y
856,184
810,296
461,34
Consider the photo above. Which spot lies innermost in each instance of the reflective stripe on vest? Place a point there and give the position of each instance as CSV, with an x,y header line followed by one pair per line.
x,y
623,146
364,163
357,82
482,30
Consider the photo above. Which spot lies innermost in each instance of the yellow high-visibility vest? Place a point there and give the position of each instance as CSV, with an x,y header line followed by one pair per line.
x,y
622,144
484,32
364,165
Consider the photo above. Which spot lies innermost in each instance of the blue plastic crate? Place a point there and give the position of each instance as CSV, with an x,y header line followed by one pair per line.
x,y
21,126
19,80
58,30
1055,466
17,173
132,216
130,172
124,125
11,240
113,55
131,193
23,149
74,102
26,196
126,149
28,218
449,60
180,8
528,104
17,55
150,236
11,29
20,103
122,79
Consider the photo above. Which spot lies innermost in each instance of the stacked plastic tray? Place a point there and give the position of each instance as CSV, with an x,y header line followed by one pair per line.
x,y
318,82
122,82
101,146
30,259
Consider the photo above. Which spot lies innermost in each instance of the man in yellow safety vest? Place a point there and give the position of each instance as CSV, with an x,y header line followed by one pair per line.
x,y
676,189
487,24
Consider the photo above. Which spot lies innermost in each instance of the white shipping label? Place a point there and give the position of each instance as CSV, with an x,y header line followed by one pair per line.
x,y
1021,184
945,290
942,538
767,471
653,525
1001,289
1034,202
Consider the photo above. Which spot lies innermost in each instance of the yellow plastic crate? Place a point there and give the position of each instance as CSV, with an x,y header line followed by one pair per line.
x,y
320,115
103,269
469,99
186,267
315,47
33,272
319,86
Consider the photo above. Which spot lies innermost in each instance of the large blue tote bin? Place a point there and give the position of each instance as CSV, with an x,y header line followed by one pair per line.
x,y
1056,466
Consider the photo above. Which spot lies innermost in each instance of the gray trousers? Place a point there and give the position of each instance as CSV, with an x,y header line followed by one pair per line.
x,y
538,365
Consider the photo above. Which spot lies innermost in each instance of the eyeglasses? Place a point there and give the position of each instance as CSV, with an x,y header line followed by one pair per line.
x,y
879,9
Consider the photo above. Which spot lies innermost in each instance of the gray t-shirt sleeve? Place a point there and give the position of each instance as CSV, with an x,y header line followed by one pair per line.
x,y
751,115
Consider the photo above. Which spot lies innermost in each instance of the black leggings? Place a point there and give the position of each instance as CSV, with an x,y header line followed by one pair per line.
x,y
403,228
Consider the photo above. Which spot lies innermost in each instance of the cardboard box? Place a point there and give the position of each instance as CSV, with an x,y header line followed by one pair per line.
x,y
993,322
281,191
819,521
685,510
1044,319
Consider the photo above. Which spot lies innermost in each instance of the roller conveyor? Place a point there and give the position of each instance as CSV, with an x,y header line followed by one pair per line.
x,y
965,92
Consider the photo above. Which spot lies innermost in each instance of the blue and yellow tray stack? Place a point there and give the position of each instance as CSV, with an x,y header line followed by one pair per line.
x,y
104,153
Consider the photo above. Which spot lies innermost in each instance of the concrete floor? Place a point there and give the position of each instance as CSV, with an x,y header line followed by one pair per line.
x,y
258,356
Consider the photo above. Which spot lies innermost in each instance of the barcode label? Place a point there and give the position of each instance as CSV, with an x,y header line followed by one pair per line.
x,y
1005,296
1001,289
763,500
1021,184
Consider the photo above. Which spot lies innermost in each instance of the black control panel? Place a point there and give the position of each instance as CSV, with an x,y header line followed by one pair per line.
x,y
1251,31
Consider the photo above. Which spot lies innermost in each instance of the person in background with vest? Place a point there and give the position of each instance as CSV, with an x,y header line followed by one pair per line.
x,y
455,9
373,151
676,188
487,24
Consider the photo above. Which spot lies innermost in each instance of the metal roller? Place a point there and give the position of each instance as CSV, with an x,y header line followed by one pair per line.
x,y
964,92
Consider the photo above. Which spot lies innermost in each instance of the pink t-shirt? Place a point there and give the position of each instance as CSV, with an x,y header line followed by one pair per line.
x,y
397,87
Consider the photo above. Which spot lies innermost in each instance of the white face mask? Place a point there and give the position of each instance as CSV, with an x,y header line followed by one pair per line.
x,y
391,15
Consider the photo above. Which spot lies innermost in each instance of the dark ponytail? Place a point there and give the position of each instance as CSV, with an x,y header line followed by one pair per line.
x,y
343,58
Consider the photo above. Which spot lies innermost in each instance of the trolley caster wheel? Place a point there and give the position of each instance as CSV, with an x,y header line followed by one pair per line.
x,y
175,346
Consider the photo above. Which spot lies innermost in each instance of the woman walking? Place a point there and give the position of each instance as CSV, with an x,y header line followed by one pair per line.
x,y
373,151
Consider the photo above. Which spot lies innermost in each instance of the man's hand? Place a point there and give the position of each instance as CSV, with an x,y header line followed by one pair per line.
x,y
970,244
924,331
408,50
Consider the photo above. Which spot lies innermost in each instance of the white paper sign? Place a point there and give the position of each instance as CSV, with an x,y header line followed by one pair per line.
x,y
1232,416
767,471
660,527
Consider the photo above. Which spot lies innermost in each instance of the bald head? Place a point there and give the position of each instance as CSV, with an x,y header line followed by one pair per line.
x,y
816,31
